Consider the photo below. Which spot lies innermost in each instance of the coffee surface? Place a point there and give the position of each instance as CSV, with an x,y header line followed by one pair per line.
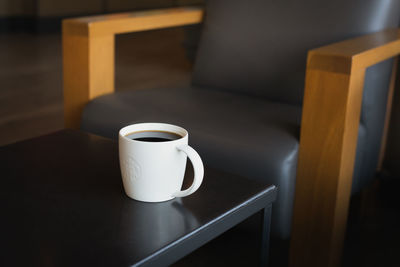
x,y
152,139
153,136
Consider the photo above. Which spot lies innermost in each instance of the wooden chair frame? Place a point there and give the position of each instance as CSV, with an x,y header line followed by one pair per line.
x,y
330,120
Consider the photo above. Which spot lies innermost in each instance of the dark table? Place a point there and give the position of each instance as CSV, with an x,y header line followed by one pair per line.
x,y
62,204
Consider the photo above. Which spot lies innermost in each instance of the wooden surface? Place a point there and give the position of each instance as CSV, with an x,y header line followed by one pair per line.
x,y
137,21
356,53
88,51
329,130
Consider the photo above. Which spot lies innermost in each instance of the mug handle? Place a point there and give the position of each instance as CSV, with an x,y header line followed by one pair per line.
x,y
198,171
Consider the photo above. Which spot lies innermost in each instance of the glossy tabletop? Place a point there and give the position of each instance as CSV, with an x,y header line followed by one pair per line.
x,y
62,204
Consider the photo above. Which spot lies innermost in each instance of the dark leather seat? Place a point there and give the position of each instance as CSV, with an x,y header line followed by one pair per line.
x,y
253,137
243,111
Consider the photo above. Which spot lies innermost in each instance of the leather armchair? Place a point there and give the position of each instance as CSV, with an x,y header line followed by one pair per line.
x,y
246,109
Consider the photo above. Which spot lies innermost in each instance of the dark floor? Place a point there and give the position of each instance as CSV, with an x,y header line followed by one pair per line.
x,y
373,231
31,105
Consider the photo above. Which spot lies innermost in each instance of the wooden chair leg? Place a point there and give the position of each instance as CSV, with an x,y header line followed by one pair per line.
x,y
331,115
88,63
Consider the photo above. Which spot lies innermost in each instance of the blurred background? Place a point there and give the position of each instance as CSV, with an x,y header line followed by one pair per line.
x,y
31,67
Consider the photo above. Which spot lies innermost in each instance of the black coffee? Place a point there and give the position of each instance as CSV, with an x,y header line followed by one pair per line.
x,y
152,139
153,136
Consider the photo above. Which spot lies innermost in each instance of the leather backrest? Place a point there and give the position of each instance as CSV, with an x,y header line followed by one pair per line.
x,y
259,47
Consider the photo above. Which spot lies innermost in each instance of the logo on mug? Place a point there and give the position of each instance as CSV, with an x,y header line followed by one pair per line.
x,y
131,168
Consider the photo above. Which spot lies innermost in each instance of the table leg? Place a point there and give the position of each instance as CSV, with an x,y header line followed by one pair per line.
x,y
265,229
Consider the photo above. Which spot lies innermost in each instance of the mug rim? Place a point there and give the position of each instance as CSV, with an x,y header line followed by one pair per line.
x,y
152,126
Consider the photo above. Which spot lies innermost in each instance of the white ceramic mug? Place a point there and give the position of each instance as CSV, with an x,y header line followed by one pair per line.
x,y
154,171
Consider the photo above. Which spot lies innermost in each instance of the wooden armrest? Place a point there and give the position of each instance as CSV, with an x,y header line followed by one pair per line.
x,y
88,51
134,21
356,53
329,131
